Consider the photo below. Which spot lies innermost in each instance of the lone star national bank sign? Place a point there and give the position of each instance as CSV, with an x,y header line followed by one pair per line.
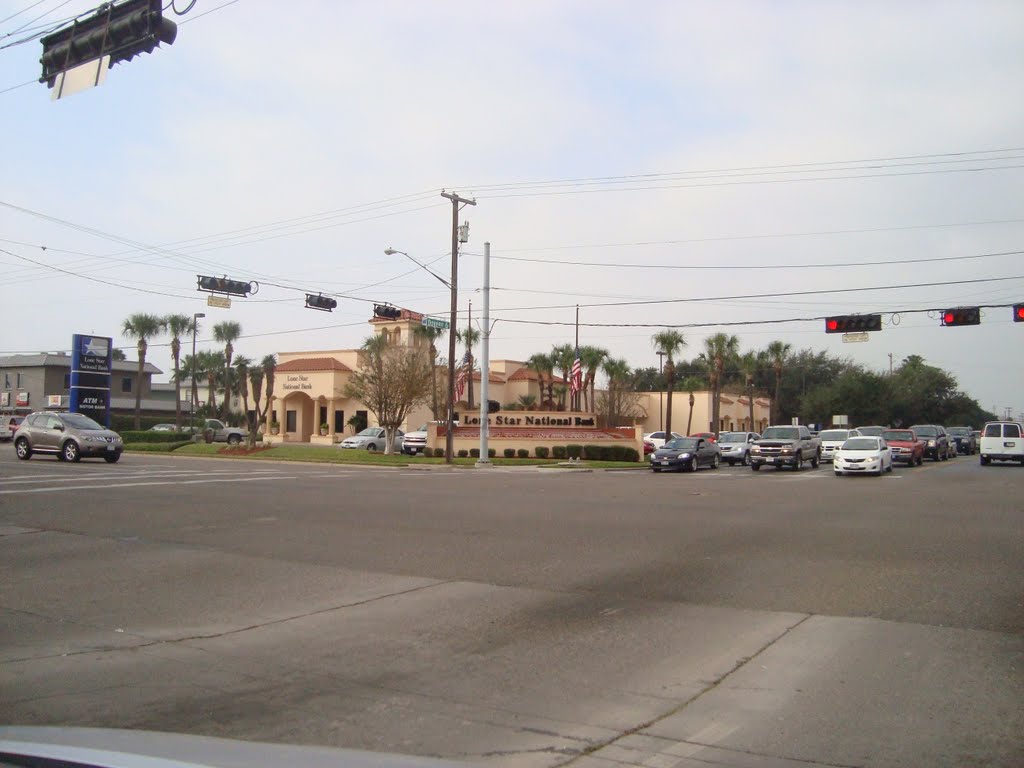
x,y
90,377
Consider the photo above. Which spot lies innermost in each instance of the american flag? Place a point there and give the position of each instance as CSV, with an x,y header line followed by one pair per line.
x,y
576,377
460,380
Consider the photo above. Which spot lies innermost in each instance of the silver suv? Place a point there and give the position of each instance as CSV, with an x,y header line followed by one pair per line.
x,y
68,435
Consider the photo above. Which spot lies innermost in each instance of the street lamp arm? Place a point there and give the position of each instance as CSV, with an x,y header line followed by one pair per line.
x,y
393,251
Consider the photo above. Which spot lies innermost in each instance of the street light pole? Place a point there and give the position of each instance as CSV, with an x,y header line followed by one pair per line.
x,y
453,319
192,394
661,390
485,364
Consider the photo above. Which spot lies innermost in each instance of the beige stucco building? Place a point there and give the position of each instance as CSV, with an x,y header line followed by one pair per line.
x,y
734,412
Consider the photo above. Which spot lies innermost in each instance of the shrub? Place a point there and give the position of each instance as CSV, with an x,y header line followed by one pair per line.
x,y
574,451
606,452
559,451
632,454
463,453
145,436
522,453
155,447
592,452
541,452
491,453
509,453
618,452
474,453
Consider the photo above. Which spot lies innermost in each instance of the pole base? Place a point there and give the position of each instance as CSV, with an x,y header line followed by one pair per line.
x,y
484,463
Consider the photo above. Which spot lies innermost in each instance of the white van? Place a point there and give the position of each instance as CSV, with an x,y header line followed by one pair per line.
x,y
1002,441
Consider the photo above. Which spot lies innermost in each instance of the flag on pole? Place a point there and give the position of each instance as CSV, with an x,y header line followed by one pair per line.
x,y
460,380
576,377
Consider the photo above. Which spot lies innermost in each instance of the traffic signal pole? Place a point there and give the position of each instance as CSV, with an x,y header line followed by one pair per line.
x,y
450,426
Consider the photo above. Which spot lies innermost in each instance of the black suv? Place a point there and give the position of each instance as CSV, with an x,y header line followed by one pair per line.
x,y
965,440
936,441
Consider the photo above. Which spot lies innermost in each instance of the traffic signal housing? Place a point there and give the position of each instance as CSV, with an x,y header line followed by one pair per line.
x,y
323,303
1018,313
119,31
962,316
224,285
853,323
386,311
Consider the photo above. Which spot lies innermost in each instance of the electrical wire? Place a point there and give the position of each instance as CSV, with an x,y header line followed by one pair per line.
x,y
212,10
18,13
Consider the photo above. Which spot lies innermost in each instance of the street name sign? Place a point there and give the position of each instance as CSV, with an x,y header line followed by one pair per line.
x,y
852,337
218,301
433,322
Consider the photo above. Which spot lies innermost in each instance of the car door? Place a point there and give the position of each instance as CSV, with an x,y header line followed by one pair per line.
x,y
50,433
703,452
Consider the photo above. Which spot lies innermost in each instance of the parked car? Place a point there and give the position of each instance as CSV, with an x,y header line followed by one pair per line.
x,y
706,435
735,447
415,441
870,431
163,428
936,441
69,436
648,447
372,439
832,440
964,440
686,453
9,425
1002,441
785,446
222,433
658,439
905,445
863,455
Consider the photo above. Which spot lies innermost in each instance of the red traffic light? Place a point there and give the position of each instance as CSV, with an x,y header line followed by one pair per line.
x,y
831,325
1018,313
962,316
853,323
949,318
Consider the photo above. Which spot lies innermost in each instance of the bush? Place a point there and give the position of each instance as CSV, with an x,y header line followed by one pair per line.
x,y
145,436
463,453
592,452
606,452
574,451
522,453
541,452
631,454
474,453
617,452
155,447
509,453
491,453
559,452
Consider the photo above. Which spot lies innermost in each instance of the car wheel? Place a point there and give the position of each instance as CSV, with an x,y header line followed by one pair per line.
x,y
371,447
920,460
755,467
984,460
889,468
69,451
799,464
715,461
234,439
838,473
746,459
692,466
111,458
22,448
815,461
655,469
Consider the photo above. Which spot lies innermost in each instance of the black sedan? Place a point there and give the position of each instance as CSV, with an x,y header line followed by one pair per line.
x,y
687,453
965,440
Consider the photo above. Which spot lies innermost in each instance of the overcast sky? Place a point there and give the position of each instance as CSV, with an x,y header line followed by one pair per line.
x,y
679,154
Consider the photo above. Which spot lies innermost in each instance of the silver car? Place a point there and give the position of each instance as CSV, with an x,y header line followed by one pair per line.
x,y
735,446
69,436
372,439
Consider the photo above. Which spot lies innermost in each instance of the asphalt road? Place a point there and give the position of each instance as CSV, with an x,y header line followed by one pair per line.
x,y
523,617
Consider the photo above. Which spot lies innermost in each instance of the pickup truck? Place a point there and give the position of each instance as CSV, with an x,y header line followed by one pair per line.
x,y
785,446
222,433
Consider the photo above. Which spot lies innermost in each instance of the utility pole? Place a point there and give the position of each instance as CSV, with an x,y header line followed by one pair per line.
x,y
469,358
453,319
485,363
890,363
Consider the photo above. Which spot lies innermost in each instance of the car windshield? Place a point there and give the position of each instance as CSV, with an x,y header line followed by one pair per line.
x,y
898,434
370,432
781,433
834,434
682,444
733,437
959,431
424,428
78,421
860,444
871,431
926,431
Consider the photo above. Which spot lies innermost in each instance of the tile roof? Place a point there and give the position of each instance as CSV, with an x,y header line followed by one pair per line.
x,y
306,364
407,314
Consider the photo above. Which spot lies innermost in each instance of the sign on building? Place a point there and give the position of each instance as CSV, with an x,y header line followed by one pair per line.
x,y
91,358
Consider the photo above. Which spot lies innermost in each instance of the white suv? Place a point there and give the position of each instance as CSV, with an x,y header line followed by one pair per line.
x,y
1002,441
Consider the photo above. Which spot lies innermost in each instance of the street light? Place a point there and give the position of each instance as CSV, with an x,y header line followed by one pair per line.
x,y
192,394
661,390
393,251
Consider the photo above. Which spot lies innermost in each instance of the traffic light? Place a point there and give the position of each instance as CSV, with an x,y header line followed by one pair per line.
x,y
962,316
386,311
223,285
1018,313
119,31
853,323
324,303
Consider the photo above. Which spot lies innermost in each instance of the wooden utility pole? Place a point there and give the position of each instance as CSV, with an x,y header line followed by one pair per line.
x,y
453,319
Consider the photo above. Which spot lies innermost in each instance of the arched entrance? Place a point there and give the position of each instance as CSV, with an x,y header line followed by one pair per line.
x,y
299,412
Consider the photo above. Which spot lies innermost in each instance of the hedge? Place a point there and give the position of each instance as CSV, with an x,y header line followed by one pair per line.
x,y
155,447
145,436
509,453
491,453
522,453
592,452
474,453
541,452
574,451
632,454
463,453
559,452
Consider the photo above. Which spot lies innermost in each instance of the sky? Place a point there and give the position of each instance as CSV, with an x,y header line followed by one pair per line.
x,y
714,166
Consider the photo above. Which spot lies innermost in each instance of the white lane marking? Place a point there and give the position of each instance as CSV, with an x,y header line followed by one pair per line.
x,y
137,485
126,475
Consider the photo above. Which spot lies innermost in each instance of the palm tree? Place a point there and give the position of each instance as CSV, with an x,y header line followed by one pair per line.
x,y
591,359
777,352
617,371
669,341
268,364
749,363
543,366
227,333
562,357
211,365
241,374
177,326
689,384
469,337
527,401
718,350
431,335
142,327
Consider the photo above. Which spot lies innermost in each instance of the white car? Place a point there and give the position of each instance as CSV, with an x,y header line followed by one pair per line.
x,y
372,439
832,440
863,456
735,446
657,439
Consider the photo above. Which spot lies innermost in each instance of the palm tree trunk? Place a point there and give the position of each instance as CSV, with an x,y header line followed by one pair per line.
x,y
750,401
177,387
469,379
689,420
775,401
670,380
138,384
433,375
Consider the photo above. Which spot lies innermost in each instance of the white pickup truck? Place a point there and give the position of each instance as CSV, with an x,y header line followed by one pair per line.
x,y
222,433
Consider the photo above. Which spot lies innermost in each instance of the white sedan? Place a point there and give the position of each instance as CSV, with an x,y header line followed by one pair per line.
x,y
372,439
657,439
863,455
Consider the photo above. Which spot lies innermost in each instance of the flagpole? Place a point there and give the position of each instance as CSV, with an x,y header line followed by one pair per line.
x,y
576,404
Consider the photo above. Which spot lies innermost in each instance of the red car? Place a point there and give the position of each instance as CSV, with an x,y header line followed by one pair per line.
x,y
648,447
706,435
905,445
9,426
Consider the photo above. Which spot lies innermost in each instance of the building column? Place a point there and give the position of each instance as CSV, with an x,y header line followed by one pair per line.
x,y
330,418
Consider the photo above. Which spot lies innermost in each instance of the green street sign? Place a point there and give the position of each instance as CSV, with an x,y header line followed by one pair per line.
x,y
433,322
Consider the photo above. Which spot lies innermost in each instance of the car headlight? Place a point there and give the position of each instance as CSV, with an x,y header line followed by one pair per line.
x,y
755,449
786,450
931,443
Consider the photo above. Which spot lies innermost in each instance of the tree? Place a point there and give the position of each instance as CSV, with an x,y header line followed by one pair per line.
x,y
469,336
776,353
241,374
562,357
669,341
619,405
141,327
527,401
227,333
267,366
591,359
117,354
749,363
431,335
256,376
211,365
391,379
177,326
719,349
543,366
690,384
